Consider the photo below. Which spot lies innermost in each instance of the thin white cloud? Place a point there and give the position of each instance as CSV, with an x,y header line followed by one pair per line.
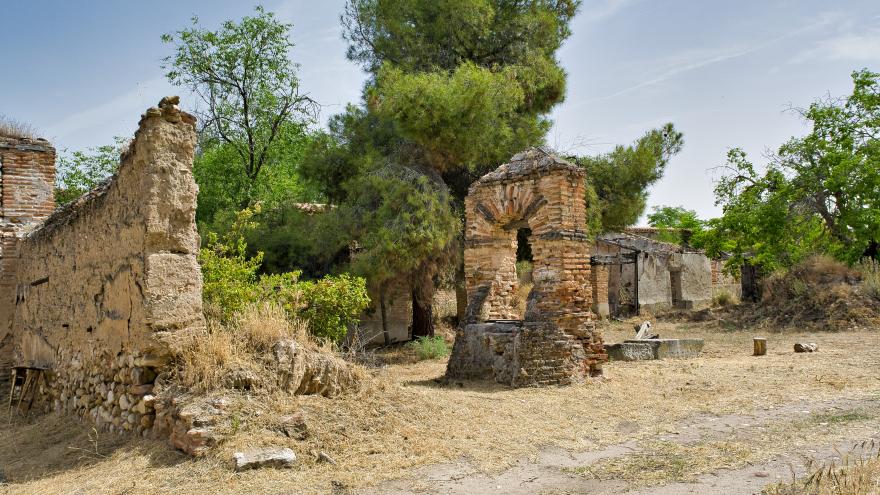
x,y
846,47
594,11
110,113
701,59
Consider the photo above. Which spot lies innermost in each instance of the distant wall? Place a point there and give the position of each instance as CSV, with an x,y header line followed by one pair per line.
x,y
696,281
105,276
27,176
398,316
654,286
723,282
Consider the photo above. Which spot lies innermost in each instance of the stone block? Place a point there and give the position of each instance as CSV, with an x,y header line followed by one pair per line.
x,y
646,350
260,458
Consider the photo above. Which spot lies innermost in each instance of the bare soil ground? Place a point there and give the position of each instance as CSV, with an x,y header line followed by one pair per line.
x,y
726,422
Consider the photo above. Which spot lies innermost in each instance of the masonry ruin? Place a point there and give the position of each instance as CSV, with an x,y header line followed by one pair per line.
x,y
634,273
27,176
90,293
557,341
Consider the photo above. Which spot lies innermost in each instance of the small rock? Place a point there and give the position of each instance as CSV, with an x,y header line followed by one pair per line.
x,y
761,474
806,347
259,458
325,457
293,426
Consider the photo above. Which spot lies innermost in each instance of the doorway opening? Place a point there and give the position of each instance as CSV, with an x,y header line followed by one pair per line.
x,y
524,268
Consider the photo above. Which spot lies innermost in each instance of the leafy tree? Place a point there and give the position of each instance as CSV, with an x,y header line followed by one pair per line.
x,y
619,179
677,224
223,189
79,172
244,78
456,87
819,194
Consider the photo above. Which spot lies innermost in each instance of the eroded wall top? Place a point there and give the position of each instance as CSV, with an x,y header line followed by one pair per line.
x,y
106,273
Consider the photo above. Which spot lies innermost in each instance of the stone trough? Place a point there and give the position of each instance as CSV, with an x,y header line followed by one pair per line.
x,y
650,349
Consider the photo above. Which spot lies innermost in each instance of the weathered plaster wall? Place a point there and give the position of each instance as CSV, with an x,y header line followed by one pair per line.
x,y
723,282
665,276
105,277
696,280
27,176
654,284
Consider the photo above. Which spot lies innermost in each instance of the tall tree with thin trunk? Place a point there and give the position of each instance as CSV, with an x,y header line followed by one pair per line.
x,y
246,83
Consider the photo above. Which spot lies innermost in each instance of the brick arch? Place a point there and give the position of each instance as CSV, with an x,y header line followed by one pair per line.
x,y
546,194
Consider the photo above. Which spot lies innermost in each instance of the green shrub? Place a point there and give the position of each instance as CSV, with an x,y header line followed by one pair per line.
x,y
430,347
332,304
229,277
230,283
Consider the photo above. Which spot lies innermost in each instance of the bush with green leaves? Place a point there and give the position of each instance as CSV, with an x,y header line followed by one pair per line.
x,y
231,282
333,304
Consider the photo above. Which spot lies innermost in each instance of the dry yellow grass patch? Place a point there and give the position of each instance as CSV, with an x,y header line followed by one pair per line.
x,y
402,418
204,359
858,473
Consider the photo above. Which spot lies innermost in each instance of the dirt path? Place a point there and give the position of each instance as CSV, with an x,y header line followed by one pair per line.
x,y
836,426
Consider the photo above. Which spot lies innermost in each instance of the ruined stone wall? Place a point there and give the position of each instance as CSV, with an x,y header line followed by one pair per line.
x,y
696,280
599,278
27,176
654,283
723,282
398,315
103,280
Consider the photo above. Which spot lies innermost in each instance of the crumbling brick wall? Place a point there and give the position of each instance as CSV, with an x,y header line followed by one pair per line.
x,y
27,174
105,277
558,341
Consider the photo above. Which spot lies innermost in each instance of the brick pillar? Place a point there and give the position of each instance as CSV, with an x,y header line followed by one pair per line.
x,y
27,177
599,282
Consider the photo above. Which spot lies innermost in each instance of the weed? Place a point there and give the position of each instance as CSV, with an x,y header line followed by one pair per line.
x,y
870,270
430,347
856,473
524,271
840,417
723,298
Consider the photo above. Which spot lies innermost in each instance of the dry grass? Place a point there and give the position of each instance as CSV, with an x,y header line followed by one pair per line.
x,y
870,270
402,418
205,359
818,294
857,473
12,128
663,462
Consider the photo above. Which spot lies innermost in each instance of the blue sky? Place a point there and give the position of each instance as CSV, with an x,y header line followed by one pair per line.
x,y
724,72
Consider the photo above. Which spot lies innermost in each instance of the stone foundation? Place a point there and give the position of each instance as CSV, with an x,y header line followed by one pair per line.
x,y
650,349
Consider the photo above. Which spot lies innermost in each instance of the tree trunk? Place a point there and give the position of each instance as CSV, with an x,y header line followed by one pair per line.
x,y
760,346
422,307
385,333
